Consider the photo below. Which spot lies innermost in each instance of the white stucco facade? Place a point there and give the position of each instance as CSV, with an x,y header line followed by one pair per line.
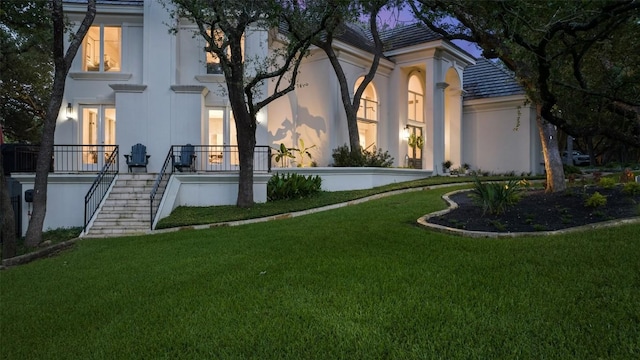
x,y
156,91
162,96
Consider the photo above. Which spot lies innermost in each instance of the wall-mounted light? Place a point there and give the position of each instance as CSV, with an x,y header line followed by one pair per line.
x,y
405,133
69,110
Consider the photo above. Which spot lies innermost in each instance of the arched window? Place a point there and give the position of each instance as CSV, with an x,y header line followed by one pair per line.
x,y
367,116
416,100
415,122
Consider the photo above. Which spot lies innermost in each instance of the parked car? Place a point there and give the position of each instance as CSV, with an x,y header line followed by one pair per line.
x,y
577,159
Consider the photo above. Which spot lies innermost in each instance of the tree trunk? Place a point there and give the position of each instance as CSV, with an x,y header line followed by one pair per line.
x,y
36,222
552,159
7,218
62,63
246,130
246,136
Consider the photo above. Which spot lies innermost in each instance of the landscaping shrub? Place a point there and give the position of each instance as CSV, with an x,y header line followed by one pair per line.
x,y
344,157
495,197
631,188
607,182
596,200
292,186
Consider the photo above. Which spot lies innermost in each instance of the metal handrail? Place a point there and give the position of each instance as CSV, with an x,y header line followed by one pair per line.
x,y
203,158
100,186
160,185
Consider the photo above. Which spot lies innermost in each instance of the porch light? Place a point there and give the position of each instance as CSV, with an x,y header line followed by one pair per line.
x,y
69,110
405,133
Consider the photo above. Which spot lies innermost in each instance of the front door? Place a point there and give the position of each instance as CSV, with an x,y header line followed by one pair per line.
x,y
416,144
98,129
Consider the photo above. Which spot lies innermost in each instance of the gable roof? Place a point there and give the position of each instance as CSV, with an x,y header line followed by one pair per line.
x,y
486,79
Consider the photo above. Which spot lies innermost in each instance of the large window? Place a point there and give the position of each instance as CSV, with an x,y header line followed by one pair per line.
x,y
416,100
102,49
415,122
367,116
222,131
98,128
213,62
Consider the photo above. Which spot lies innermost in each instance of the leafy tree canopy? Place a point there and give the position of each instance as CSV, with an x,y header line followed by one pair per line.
x,y
26,67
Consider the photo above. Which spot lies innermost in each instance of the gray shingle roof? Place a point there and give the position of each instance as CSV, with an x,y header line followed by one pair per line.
x,y
407,35
486,79
395,38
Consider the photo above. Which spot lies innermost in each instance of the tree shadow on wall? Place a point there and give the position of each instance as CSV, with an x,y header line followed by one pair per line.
x,y
316,123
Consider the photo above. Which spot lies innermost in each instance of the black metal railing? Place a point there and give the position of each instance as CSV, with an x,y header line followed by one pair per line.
x,y
202,158
100,185
65,159
219,158
159,186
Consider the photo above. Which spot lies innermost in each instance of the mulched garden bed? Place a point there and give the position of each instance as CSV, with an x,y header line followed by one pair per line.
x,y
538,211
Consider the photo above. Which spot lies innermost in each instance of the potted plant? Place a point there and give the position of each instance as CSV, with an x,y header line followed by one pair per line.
x,y
446,165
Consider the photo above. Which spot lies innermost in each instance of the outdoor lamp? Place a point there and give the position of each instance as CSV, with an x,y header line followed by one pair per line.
x,y
69,110
405,133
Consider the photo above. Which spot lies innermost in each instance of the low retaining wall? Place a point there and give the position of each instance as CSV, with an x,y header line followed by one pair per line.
x,y
357,178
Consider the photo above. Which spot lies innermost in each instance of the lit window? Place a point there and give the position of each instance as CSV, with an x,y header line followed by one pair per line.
x,y
102,49
416,100
213,62
367,116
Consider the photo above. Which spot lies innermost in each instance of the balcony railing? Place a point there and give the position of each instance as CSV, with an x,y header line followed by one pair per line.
x,y
66,158
220,158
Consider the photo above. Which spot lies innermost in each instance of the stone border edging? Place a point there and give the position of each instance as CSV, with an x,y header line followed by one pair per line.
x,y
38,254
422,221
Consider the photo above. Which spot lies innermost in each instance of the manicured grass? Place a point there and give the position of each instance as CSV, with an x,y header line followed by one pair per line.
x,y
183,216
360,282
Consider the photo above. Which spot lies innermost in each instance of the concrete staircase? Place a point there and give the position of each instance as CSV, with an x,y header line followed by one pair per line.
x,y
126,209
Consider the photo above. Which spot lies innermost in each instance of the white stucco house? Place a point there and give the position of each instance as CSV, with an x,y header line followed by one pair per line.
x,y
135,82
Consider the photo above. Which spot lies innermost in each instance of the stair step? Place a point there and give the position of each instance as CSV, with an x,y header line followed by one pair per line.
x,y
126,210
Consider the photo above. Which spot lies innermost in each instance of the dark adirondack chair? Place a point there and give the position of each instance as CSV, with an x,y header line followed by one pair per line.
x,y
186,159
138,157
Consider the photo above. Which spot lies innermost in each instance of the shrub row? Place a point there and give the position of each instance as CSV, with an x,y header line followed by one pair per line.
x,y
292,186
344,157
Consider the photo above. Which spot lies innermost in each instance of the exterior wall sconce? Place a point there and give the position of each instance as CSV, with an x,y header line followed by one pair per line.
x,y
69,110
405,133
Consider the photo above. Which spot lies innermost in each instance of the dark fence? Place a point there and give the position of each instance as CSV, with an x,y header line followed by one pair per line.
x,y
100,186
19,158
217,158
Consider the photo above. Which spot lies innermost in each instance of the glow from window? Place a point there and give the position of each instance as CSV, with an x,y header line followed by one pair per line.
x,y
213,62
416,100
102,49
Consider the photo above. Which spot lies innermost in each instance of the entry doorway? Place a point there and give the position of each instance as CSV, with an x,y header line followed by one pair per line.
x,y
98,128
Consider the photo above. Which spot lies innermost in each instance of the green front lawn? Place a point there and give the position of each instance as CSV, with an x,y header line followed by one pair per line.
x,y
189,215
360,282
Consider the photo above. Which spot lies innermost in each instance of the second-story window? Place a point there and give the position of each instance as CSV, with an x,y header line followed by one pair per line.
x,y
213,62
102,49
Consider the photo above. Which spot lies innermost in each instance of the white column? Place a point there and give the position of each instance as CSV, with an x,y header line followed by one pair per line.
x,y
438,127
